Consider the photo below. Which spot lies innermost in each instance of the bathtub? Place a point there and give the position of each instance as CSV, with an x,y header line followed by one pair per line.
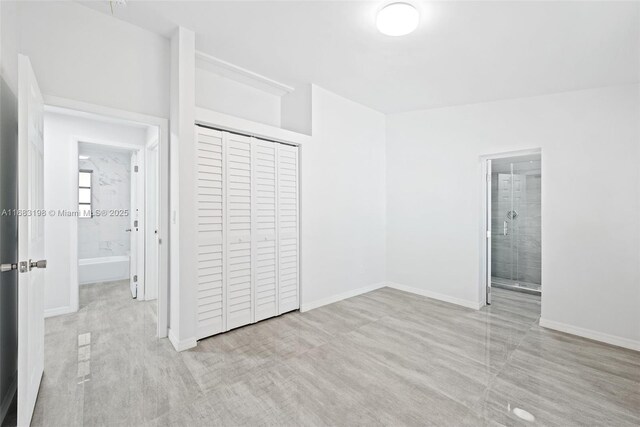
x,y
103,269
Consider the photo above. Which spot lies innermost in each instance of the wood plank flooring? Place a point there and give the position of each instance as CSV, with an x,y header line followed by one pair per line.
x,y
383,358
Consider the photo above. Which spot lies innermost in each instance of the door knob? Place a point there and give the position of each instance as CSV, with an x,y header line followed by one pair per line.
x,y
38,264
128,230
8,267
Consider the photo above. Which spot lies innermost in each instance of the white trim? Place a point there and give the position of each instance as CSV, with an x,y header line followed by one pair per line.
x,y
58,311
591,334
515,153
339,297
484,215
229,123
82,109
74,269
475,305
183,345
152,248
226,69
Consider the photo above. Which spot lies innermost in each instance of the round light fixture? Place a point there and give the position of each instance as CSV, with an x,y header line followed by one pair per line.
x,y
397,19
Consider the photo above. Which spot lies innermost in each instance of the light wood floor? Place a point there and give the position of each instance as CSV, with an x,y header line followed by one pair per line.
x,y
383,358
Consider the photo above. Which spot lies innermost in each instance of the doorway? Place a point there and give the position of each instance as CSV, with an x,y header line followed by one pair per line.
x,y
96,168
513,223
111,218
99,202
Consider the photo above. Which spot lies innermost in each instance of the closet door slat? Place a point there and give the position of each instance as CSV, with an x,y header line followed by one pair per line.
x,y
288,229
210,217
265,272
239,253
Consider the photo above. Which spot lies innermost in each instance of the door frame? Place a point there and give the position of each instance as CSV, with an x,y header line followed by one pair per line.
x,y
162,124
484,235
151,212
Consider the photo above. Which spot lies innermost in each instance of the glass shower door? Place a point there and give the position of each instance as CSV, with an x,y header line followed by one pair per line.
x,y
516,248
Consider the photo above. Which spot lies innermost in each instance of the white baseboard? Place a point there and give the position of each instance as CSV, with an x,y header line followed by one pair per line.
x,y
591,334
50,312
339,297
183,345
441,297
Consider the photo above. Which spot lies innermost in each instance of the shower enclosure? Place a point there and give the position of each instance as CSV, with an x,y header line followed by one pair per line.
x,y
516,224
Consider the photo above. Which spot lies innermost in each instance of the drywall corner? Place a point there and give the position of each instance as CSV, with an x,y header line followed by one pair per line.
x,y
183,231
296,111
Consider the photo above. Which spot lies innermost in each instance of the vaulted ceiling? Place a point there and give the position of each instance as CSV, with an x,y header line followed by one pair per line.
x,y
462,52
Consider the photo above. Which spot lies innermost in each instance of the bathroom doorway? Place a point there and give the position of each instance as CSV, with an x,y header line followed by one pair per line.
x,y
513,224
106,205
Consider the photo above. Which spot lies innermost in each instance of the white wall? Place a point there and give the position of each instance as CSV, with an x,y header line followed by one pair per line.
x,y
81,54
183,232
343,199
61,193
9,44
296,110
590,201
224,95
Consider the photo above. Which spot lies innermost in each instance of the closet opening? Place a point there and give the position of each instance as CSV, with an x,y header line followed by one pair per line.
x,y
513,229
248,230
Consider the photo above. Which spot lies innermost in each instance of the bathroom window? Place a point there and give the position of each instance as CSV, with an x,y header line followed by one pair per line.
x,y
84,193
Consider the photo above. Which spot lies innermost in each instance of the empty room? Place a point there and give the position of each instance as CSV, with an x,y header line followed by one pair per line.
x,y
319,213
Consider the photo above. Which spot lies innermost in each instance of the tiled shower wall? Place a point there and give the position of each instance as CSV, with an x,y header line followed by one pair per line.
x,y
516,256
105,235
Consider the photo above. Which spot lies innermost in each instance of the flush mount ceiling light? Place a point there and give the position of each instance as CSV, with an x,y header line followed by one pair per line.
x,y
397,19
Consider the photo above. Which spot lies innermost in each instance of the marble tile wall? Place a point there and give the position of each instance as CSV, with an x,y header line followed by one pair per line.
x,y
102,236
517,255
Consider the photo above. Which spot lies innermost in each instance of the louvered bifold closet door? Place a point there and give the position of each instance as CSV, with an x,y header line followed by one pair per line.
x,y
210,211
266,278
288,233
239,260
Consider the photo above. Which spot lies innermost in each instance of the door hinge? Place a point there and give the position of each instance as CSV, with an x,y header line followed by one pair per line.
x,y
135,223
135,168
488,177
488,234
135,278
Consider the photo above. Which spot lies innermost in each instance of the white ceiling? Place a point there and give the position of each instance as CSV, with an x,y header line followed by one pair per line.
x,y
462,52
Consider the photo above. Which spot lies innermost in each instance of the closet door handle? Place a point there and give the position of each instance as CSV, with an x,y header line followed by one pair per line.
x,y
505,228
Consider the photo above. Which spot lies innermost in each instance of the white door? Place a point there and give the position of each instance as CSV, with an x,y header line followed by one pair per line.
x,y
133,229
30,241
239,257
152,210
265,225
211,243
488,232
288,231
